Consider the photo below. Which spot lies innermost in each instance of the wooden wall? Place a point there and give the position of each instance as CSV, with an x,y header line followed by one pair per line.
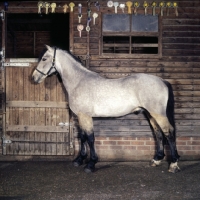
x,y
179,64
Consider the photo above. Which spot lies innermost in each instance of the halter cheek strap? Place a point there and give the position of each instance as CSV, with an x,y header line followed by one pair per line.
x,y
52,66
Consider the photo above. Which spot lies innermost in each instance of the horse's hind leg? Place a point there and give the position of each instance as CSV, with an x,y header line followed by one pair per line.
x,y
159,146
169,132
159,141
174,153
83,154
86,124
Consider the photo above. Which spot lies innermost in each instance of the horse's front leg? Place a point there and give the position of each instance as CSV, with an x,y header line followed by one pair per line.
x,y
86,124
90,167
83,154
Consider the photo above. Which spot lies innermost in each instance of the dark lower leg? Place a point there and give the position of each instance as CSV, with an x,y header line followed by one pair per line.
x,y
173,149
93,156
83,154
159,139
160,147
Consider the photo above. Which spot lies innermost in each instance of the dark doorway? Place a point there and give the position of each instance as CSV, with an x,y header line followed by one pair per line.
x,y
28,33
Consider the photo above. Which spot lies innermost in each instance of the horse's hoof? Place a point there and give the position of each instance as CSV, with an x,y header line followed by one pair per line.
x,y
79,160
174,168
155,163
87,170
76,164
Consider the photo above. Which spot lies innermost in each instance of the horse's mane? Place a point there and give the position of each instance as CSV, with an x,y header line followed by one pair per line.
x,y
77,59
68,52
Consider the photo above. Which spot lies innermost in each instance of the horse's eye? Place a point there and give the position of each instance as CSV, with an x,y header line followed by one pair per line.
x,y
44,59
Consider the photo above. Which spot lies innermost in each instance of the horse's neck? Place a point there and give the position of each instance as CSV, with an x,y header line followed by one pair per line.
x,y
71,71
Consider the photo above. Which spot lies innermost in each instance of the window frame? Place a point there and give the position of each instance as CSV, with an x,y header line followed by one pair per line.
x,y
131,34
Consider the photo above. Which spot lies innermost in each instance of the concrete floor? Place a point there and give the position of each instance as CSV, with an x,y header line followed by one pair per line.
x,y
111,180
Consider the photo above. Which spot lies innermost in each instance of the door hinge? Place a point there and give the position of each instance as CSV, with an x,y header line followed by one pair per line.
x,y
5,141
2,15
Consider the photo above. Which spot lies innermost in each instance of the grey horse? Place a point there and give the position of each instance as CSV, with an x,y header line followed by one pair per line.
x,y
91,95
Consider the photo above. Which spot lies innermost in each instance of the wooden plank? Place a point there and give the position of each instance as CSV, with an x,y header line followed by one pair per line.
x,y
37,104
42,117
39,128
58,136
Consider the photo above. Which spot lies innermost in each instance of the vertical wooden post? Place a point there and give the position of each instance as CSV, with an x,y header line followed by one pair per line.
x,y
3,18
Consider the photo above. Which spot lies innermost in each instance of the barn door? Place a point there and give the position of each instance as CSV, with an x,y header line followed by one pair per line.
x,y
36,118
34,112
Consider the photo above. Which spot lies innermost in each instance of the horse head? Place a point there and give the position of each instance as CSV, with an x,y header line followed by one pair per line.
x,y
46,65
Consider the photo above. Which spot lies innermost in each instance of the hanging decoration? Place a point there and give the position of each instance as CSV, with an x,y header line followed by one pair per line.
x,y
129,4
161,5
145,5
168,5
97,5
65,7
71,5
79,12
46,6
110,4
136,5
122,6
153,5
40,5
175,5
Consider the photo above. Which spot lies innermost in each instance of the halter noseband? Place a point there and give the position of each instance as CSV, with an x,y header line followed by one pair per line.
x,y
52,66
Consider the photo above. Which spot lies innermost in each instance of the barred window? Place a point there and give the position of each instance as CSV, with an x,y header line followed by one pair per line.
x,y
131,35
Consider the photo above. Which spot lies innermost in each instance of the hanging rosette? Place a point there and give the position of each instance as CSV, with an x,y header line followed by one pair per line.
x,y
175,6
136,5
145,5
161,5
153,5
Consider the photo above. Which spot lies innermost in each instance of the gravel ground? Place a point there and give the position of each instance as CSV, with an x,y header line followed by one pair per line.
x,y
111,180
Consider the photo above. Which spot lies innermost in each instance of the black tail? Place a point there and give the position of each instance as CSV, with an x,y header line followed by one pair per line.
x,y
170,107
170,116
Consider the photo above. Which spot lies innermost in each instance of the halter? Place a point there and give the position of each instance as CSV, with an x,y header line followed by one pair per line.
x,y
52,66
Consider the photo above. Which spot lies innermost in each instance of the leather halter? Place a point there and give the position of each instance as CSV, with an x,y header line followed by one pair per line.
x,y
52,66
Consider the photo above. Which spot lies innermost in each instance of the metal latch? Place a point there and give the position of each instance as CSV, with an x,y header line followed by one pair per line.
x,y
71,145
16,64
6,141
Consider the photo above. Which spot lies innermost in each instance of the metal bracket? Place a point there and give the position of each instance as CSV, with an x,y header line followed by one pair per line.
x,y
16,64
2,15
6,141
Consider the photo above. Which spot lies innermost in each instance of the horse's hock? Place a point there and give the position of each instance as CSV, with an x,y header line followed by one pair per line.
x,y
30,114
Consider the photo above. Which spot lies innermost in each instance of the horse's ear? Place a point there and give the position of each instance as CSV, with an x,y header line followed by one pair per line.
x,y
48,47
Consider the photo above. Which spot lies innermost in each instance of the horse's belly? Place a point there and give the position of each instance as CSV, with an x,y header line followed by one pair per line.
x,y
113,108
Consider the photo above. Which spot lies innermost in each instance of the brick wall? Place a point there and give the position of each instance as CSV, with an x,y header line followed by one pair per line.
x,y
141,148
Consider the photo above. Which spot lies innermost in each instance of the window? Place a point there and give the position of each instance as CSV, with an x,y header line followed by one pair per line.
x,y
130,35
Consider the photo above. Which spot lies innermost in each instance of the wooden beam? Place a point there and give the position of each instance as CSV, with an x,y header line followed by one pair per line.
x,y
37,104
31,128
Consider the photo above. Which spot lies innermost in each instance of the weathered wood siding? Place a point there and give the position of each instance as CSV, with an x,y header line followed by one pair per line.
x,y
33,112
179,64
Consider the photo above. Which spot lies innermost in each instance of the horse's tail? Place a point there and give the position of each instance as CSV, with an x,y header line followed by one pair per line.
x,y
170,107
170,114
